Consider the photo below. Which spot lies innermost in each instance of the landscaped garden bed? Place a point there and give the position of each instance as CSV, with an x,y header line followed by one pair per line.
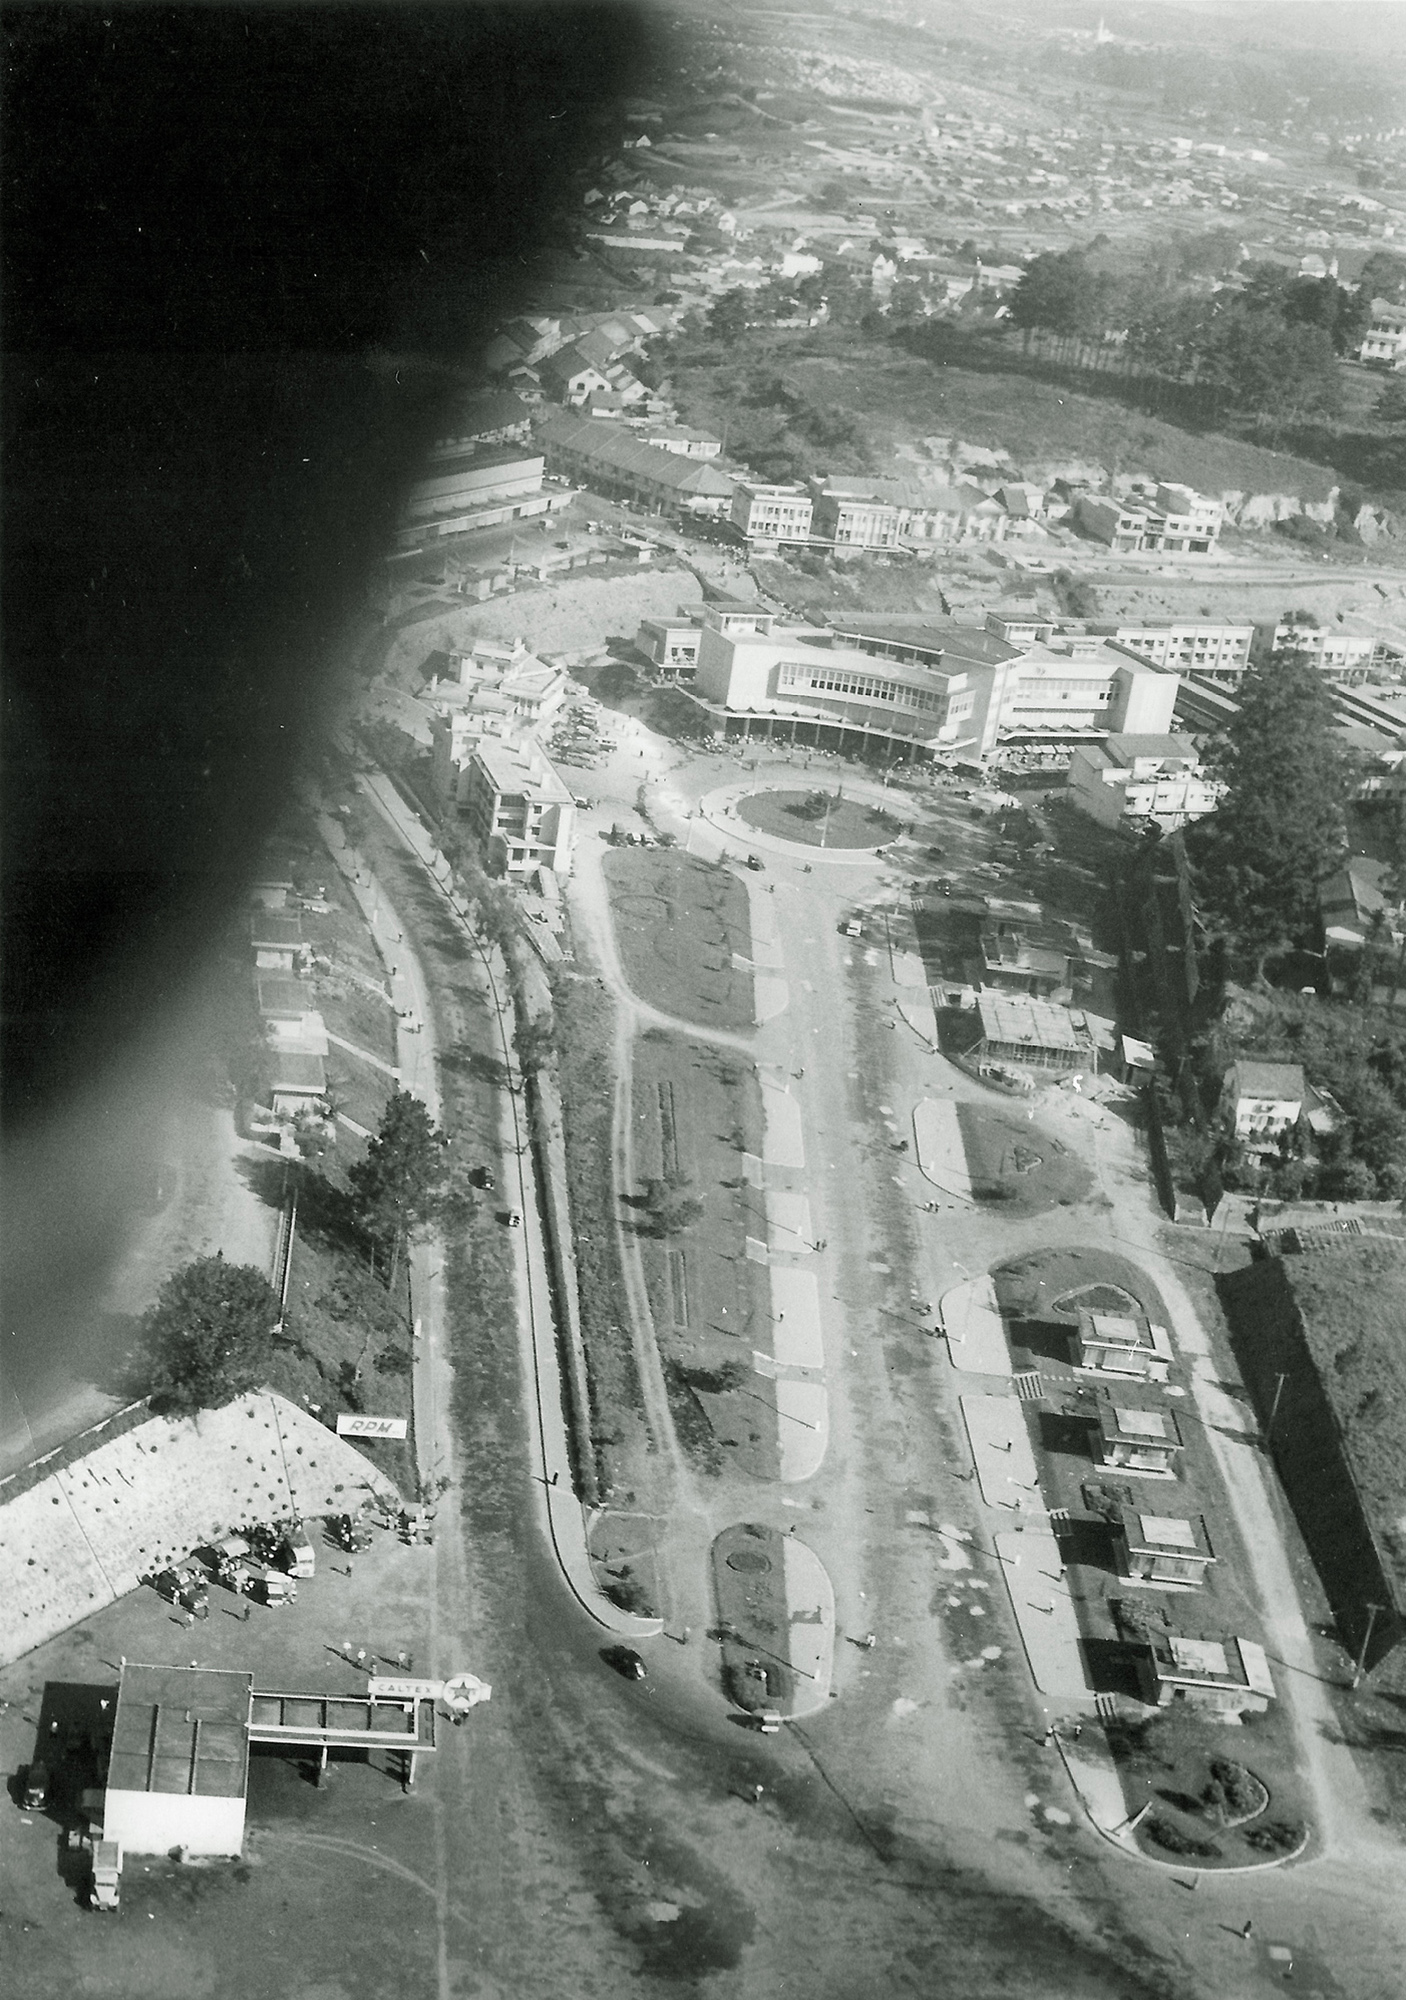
x,y
684,935
1211,1794
820,818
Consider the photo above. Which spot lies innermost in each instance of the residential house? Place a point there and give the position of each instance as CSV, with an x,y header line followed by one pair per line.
x,y
1262,1102
297,1083
277,938
570,377
1023,957
1385,338
765,513
520,807
1354,906
1142,778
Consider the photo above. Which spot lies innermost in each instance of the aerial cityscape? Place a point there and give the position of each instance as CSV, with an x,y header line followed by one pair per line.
x,y
705,1012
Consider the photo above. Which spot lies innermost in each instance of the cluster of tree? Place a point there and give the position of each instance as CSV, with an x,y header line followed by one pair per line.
x,y
1266,350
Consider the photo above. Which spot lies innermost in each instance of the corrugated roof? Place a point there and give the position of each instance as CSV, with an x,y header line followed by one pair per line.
x,y
614,450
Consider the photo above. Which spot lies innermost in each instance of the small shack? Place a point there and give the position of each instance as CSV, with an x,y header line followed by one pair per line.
x,y
1229,1676
1161,1551
1142,1442
1111,1344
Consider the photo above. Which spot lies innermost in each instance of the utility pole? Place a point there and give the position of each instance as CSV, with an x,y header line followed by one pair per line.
x,y
1274,1407
1361,1665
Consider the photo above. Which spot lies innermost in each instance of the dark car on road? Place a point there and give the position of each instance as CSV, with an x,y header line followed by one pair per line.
x,y
626,1662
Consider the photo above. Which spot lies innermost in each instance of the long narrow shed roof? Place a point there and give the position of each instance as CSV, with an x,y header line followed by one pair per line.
x,y
616,450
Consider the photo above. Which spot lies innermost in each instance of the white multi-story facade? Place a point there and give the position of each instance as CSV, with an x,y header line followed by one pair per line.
x,y
771,513
1156,778
1385,338
1222,652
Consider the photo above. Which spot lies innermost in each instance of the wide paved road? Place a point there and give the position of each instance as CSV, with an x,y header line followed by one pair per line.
x,y
594,1836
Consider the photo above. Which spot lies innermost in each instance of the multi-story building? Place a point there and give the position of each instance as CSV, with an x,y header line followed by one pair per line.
x,y
520,807
1031,685
672,643
1344,657
1385,338
810,686
894,513
1177,522
611,460
474,489
1221,652
1155,778
766,513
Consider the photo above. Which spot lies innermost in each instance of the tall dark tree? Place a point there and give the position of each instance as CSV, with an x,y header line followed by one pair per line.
x,y
730,315
399,1184
1259,857
209,1336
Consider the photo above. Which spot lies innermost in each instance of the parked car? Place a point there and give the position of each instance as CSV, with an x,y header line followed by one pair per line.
x,y
514,1218
36,1787
482,1177
755,861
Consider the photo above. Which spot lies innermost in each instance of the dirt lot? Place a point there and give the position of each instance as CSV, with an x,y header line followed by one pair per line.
x,y
697,1109
681,926
578,616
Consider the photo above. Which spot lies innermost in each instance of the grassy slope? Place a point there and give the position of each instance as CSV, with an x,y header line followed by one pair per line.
x,y
1353,1304
900,399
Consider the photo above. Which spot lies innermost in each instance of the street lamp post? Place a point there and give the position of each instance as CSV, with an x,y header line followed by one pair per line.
x,y
1360,1666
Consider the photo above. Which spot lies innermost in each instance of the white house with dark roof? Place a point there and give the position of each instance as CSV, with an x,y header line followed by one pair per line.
x,y
1262,1102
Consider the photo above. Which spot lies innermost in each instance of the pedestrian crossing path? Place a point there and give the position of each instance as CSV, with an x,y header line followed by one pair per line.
x,y
1029,1387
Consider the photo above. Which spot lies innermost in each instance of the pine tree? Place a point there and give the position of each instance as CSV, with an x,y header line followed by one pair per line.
x,y
1259,858
398,1186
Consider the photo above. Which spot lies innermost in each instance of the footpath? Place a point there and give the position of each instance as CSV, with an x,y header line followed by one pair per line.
x,y
560,1511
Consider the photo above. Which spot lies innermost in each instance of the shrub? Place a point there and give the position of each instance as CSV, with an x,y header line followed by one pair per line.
x,y
1276,1836
1171,1837
1240,1791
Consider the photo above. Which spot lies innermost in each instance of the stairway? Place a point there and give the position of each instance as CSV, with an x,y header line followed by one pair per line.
x,y
1107,1706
